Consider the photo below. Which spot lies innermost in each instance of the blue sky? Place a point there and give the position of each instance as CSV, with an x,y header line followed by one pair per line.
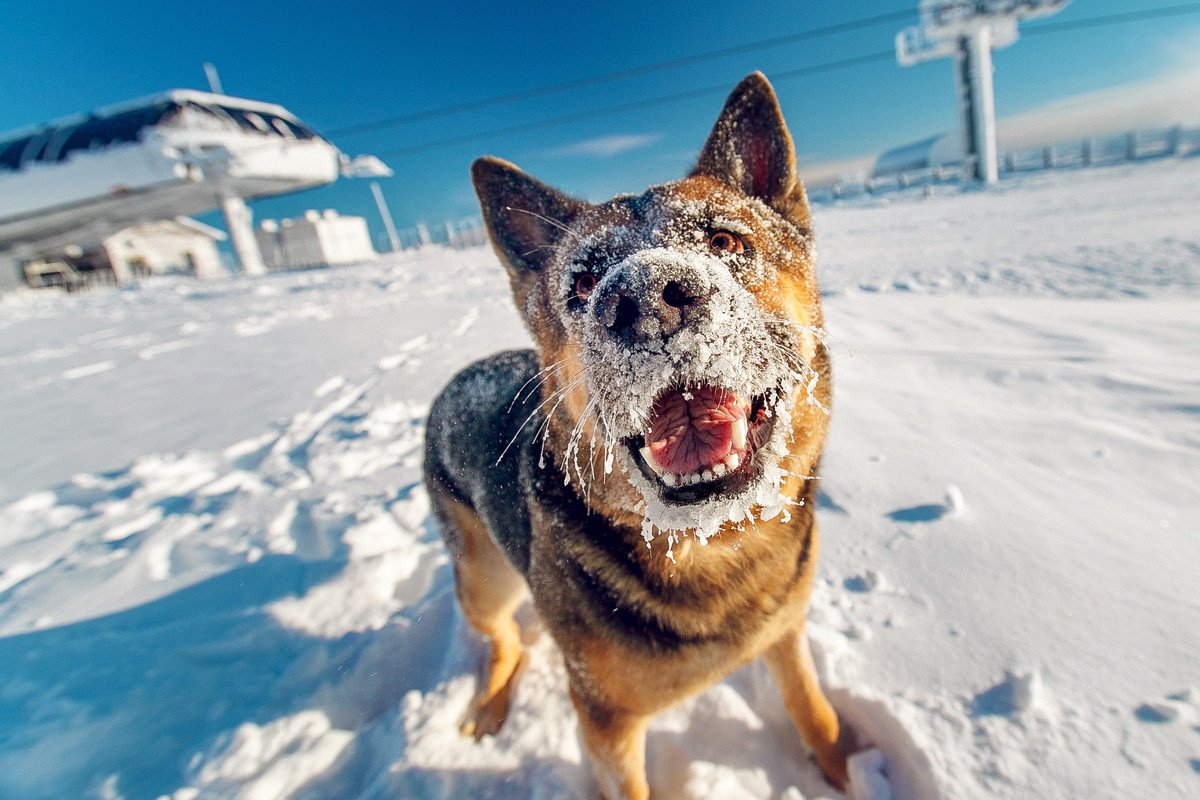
x,y
337,64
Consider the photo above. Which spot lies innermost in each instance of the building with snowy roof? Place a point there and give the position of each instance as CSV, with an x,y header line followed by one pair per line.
x,y
179,246
318,239
83,178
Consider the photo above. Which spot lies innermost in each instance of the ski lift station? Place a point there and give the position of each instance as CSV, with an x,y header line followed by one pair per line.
x,y
183,152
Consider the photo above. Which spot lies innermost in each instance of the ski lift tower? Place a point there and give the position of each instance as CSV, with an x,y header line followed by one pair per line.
x,y
969,30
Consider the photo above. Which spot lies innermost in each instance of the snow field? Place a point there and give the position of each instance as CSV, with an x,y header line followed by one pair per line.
x,y
218,577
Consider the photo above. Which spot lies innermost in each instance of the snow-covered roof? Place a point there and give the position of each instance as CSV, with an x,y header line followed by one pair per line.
x,y
125,122
182,224
171,225
199,227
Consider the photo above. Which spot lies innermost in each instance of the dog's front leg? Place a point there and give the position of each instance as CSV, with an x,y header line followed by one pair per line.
x,y
791,664
616,742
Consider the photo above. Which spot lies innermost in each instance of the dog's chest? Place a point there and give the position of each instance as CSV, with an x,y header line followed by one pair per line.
x,y
590,574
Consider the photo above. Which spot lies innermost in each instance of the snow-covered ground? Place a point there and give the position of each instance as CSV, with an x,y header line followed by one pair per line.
x,y
218,577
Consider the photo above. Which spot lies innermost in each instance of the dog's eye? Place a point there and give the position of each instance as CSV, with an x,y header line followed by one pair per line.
x,y
585,284
726,242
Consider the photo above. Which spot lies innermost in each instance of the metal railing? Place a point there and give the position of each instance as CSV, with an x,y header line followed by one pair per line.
x,y
1135,145
457,234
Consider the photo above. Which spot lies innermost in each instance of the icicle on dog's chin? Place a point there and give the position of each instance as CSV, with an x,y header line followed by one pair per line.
x,y
701,504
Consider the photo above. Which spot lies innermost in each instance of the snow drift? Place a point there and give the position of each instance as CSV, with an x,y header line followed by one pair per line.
x,y
218,577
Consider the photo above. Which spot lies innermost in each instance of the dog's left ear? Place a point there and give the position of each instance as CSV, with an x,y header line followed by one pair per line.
x,y
751,150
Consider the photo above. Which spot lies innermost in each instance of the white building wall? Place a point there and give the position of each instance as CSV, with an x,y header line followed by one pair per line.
x,y
299,245
345,240
163,247
322,240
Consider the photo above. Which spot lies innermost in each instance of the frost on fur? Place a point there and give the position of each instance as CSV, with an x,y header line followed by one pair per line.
x,y
679,329
729,342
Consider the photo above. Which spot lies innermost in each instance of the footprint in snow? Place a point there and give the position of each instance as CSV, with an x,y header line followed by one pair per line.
x,y
1016,694
1184,704
952,505
1156,713
869,581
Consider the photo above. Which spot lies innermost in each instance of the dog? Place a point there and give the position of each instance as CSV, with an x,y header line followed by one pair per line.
x,y
647,474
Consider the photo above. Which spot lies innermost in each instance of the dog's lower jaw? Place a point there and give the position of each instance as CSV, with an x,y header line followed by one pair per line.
x,y
764,495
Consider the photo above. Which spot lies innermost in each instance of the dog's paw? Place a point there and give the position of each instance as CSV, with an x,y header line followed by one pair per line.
x,y
833,759
487,718
833,769
487,714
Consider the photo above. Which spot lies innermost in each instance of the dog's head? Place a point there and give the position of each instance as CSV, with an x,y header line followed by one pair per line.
x,y
679,330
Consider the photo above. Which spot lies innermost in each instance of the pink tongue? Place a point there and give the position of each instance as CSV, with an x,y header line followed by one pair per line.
x,y
693,431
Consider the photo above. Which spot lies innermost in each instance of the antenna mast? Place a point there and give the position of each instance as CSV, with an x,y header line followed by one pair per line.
x,y
969,31
214,80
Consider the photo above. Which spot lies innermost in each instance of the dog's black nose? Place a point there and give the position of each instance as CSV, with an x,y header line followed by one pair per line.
x,y
641,304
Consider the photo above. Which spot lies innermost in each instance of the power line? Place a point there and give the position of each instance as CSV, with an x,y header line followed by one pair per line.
x,y
1113,19
831,66
632,72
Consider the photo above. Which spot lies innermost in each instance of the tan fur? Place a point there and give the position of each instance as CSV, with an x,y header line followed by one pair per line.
x,y
489,592
741,596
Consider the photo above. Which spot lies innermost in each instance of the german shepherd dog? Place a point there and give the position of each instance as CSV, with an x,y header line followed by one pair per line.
x,y
647,473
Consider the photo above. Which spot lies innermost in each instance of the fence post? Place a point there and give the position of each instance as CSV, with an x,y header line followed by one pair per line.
x,y
1175,138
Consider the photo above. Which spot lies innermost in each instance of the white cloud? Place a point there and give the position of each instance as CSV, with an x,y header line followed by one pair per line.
x,y
607,146
1182,52
825,173
1162,101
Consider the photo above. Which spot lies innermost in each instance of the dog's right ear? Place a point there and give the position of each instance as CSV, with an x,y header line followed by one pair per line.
x,y
525,218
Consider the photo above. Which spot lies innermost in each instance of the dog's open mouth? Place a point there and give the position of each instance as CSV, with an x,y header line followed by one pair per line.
x,y
703,441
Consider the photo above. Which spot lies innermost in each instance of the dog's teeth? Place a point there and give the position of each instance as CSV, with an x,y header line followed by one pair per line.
x,y
719,471
739,434
670,480
693,478
650,462
707,475
732,461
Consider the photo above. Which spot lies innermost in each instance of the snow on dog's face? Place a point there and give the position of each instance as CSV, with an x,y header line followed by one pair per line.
x,y
678,329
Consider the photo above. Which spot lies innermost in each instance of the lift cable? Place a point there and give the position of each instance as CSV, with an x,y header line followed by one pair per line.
x,y
593,80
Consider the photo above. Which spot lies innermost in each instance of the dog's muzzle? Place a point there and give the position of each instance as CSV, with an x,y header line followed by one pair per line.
x,y
651,294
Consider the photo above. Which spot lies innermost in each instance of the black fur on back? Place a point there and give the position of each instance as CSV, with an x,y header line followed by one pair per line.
x,y
480,430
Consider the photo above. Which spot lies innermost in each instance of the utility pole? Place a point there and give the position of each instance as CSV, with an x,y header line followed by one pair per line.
x,y
214,79
386,213
969,32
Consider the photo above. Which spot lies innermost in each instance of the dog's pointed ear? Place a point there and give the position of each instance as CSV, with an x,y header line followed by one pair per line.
x,y
525,217
751,150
